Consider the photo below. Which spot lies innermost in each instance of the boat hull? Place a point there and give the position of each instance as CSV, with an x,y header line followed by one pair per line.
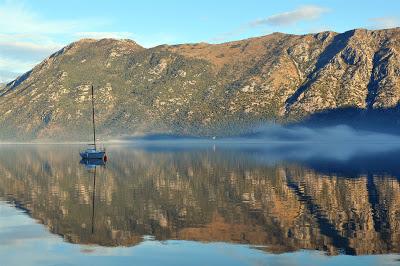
x,y
99,155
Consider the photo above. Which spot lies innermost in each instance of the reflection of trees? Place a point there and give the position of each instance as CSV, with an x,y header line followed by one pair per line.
x,y
202,195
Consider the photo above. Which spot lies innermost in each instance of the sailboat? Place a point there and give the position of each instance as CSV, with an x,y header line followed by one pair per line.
x,y
92,153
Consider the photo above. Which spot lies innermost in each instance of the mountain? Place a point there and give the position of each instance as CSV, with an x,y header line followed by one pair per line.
x,y
202,89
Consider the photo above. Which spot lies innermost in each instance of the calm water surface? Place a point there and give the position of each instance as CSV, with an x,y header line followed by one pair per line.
x,y
200,205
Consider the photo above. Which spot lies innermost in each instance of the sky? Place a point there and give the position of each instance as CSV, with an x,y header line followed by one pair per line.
x,y
30,30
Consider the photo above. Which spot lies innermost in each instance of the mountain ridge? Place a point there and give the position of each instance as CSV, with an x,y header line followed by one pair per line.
x,y
199,88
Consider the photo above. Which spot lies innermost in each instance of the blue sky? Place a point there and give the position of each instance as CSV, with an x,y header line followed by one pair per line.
x,y
31,30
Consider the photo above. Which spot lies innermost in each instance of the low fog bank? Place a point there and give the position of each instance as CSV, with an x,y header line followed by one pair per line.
x,y
339,143
330,134
340,146
274,133
339,150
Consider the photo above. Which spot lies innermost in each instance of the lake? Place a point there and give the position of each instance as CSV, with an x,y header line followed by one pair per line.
x,y
201,204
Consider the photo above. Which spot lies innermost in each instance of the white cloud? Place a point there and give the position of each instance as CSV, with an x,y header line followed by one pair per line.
x,y
17,66
18,56
26,38
304,13
148,40
26,50
15,17
100,35
12,68
7,76
385,22
152,40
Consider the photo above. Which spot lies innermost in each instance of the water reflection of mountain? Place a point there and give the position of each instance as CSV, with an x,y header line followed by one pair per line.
x,y
203,195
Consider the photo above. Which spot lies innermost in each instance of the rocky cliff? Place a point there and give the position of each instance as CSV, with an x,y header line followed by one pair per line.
x,y
201,89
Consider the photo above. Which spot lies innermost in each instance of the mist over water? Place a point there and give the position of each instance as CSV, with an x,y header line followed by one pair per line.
x,y
339,142
277,142
330,134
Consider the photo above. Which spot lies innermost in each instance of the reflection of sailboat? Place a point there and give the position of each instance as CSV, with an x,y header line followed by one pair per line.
x,y
92,152
92,163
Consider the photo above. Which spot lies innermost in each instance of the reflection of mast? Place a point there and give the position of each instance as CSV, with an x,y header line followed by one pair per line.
x,y
94,193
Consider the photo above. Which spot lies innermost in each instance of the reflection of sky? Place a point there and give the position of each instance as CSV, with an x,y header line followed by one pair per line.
x,y
24,242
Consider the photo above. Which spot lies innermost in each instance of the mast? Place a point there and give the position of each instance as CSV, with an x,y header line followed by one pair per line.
x,y
94,126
